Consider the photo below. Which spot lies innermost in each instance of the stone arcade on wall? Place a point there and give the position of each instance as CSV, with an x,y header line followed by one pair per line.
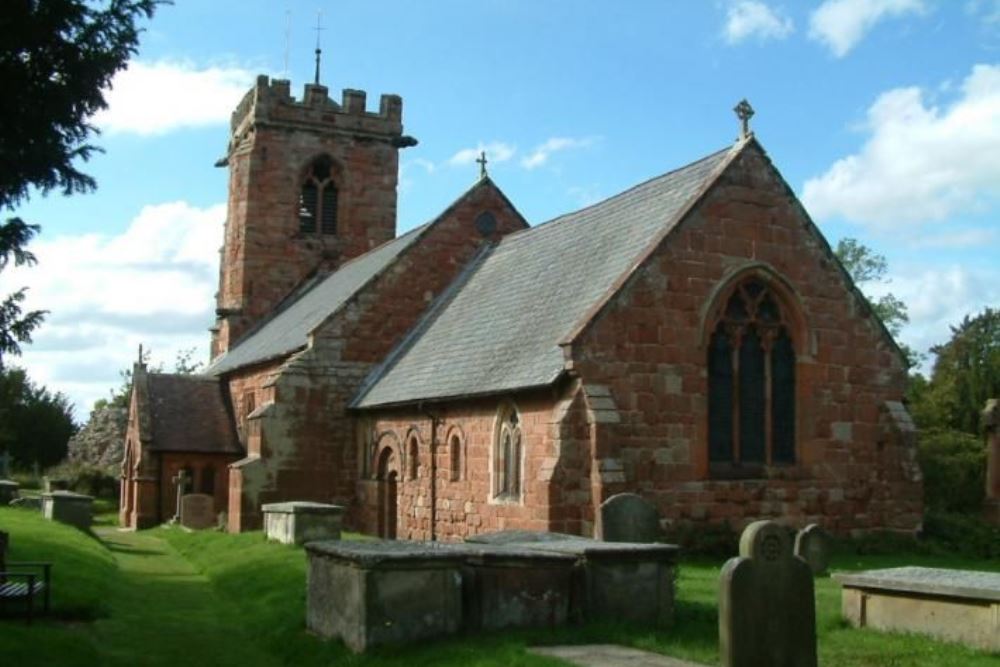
x,y
692,340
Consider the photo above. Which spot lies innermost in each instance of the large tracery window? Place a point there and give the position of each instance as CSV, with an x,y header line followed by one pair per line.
x,y
507,455
318,199
751,384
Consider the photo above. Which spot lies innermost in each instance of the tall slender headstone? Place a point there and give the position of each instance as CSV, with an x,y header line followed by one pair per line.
x,y
180,481
991,425
767,611
5,465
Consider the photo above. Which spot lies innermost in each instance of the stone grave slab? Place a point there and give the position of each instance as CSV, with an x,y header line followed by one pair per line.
x,y
954,605
298,522
369,593
8,491
812,544
519,537
767,611
75,509
622,580
197,511
515,586
609,655
627,517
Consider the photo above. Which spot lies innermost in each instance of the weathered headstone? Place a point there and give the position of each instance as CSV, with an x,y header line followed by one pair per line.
x,y
198,511
991,425
180,484
5,465
626,517
8,491
767,610
812,544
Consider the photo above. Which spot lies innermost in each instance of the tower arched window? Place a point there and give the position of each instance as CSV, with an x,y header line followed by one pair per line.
x,y
507,454
413,456
751,384
318,199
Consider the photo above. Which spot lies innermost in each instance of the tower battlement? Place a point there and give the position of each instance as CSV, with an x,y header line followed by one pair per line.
x,y
271,103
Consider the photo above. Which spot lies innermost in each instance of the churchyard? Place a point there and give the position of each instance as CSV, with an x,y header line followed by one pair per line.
x,y
169,596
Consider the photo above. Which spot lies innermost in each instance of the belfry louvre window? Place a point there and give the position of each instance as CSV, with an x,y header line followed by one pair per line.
x,y
318,199
751,384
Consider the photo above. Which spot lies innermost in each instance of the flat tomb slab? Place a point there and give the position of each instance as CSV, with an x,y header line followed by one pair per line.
x,y
298,522
954,605
369,593
609,655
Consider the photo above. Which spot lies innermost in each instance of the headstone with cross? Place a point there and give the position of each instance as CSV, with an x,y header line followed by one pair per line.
x,y
481,161
767,610
744,112
180,480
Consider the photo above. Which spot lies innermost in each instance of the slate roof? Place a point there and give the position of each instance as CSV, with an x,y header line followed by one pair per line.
x,y
288,329
500,329
190,414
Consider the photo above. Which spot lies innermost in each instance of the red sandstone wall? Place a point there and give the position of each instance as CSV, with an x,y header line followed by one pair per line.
x,y
466,506
307,437
648,347
173,462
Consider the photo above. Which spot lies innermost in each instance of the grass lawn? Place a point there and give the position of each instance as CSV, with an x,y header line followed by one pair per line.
x,y
168,597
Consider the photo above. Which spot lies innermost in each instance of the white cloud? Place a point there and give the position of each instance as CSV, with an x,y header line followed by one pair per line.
x,y
921,162
154,98
153,284
751,18
841,24
496,151
938,298
541,154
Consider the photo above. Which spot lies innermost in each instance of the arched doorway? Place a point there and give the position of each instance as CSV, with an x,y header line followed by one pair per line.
x,y
388,478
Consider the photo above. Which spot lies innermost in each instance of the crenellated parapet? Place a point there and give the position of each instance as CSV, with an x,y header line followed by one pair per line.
x,y
270,104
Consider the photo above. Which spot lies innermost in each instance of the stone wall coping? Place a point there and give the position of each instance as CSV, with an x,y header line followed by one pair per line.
x,y
68,496
927,580
373,553
302,507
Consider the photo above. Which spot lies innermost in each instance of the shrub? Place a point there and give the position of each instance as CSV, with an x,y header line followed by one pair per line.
x,y
954,467
93,480
962,534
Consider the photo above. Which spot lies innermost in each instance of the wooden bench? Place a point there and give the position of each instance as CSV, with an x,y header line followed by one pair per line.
x,y
23,581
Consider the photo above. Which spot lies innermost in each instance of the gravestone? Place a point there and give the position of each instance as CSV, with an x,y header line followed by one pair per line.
x,y
991,426
180,481
812,544
626,517
767,610
8,491
5,465
198,511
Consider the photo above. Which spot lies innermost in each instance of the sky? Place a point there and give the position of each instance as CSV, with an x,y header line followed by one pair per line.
x,y
882,115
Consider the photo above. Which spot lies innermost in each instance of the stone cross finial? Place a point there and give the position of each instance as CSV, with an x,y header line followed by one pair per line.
x,y
180,480
481,160
319,51
744,112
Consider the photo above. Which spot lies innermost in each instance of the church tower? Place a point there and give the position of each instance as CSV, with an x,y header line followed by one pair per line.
x,y
312,183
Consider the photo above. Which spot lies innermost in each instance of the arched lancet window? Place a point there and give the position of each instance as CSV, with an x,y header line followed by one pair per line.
x,y
412,456
507,454
318,199
751,383
455,457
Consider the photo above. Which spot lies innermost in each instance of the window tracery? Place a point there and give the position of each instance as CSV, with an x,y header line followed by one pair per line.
x,y
507,455
318,199
751,383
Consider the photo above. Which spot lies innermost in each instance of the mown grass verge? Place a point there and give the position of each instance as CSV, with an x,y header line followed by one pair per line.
x,y
267,583
83,573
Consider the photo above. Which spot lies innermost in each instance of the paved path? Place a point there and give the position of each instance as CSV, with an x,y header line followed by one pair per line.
x,y
193,625
609,655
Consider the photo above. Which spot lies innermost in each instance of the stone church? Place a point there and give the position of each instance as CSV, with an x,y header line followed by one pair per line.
x,y
692,339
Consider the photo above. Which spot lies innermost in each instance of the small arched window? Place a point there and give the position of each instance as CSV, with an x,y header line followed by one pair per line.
x,y
507,454
455,457
751,383
318,199
412,456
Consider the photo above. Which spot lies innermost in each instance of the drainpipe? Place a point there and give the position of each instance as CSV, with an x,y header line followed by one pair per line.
x,y
435,420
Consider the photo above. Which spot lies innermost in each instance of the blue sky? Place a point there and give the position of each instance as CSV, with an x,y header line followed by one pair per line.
x,y
883,116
